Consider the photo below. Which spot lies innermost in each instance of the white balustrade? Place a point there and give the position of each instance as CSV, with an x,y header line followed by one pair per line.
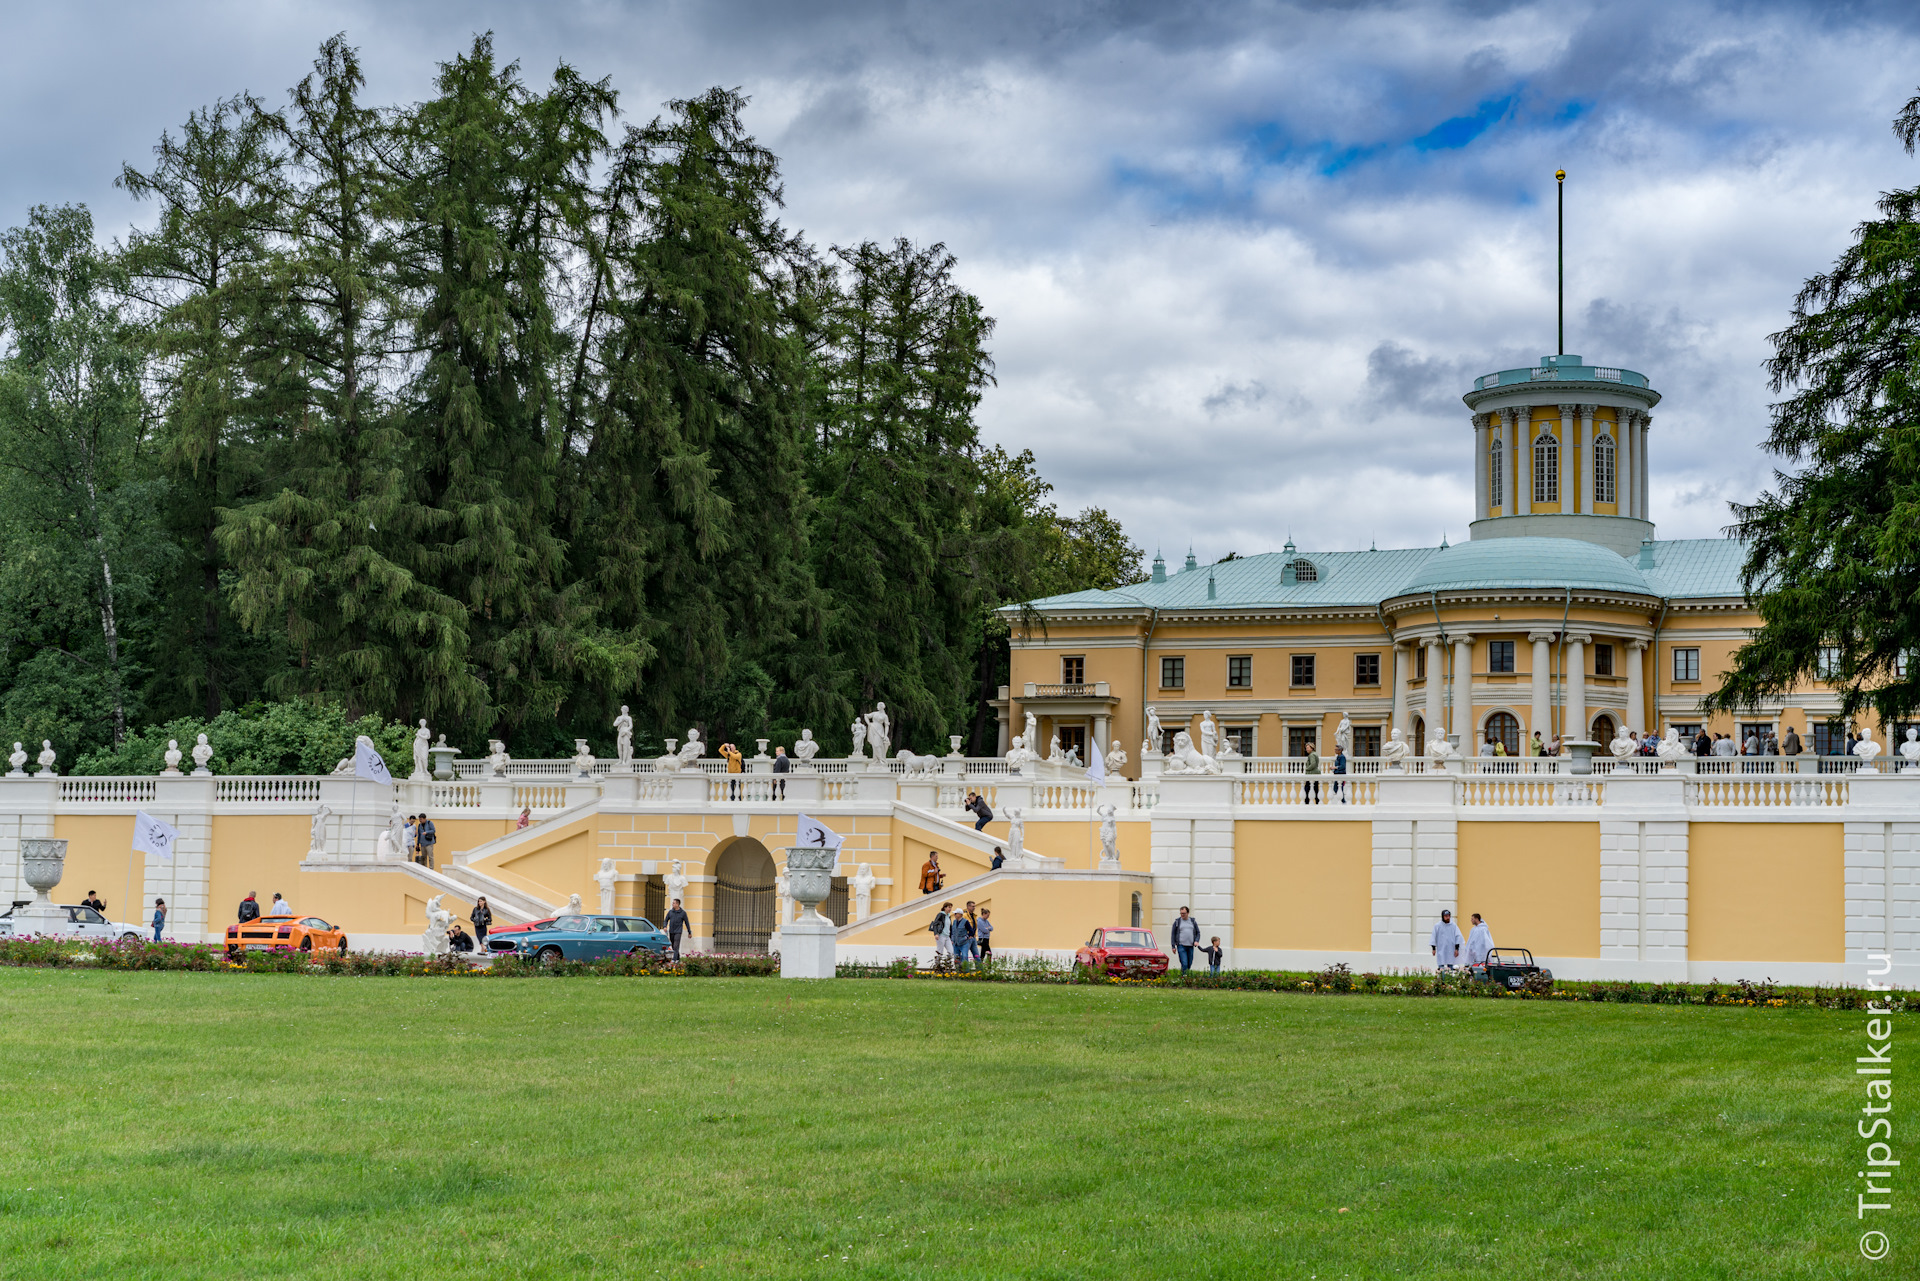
x,y
457,795
1744,792
272,789
108,791
539,796
1522,792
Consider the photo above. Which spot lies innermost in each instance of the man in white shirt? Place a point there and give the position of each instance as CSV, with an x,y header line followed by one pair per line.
x,y
280,907
1446,943
1479,942
1724,746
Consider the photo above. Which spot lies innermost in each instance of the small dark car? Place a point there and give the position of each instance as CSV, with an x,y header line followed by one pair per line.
x,y
1510,967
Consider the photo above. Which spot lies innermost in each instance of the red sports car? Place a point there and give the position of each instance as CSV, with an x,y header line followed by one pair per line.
x,y
1122,952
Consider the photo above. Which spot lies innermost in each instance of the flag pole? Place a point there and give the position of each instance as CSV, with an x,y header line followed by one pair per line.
x,y
1560,188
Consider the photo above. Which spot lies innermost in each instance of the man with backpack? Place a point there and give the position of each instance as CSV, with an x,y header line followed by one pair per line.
x,y
942,943
1186,936
426,836
249,908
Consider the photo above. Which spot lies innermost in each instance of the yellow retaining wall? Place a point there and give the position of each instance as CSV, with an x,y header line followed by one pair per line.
x,y
100,857
1537,884
1053,916
1761,892
260,853
1303,885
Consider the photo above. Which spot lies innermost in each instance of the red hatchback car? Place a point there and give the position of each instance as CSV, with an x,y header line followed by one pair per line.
x,y
1121,952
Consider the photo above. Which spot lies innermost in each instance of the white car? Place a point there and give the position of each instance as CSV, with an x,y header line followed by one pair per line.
x,y
85,923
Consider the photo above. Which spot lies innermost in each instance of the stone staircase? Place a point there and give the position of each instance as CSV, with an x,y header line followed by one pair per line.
x,y
506,901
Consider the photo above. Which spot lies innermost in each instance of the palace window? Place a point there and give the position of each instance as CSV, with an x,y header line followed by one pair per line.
x,y
1241,737
1827,665
1240,671
1686,664
1298,738
1603,660
1603,491
1502,727
1830,739
1366,669
1500,656
1302,670
1546,468
1496,473
1073,670
1173,673
1419,662
1366,740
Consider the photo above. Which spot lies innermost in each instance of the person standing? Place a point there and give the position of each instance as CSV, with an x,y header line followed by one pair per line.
x,y
1310,789
249,907
999,858
1535,747
782,765
1446,943
526,816
677,924
1213,952
280,907
932,879
94,901
960,929
428,837
482,918
410,838
1791,747
732,755
942,942
1186,934
159,917
1479,942
1340,773
983,933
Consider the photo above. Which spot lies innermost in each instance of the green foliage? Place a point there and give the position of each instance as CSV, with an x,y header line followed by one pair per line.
x,y
1833,557
288,737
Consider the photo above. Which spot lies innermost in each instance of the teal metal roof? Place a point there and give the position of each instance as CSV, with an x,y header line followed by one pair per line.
x,y
1527,562
1691,568
1561,369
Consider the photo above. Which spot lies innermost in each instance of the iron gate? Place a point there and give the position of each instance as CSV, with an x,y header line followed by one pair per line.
x,y
742,916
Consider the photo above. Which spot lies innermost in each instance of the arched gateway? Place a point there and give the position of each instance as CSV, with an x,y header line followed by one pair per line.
x,y
743,897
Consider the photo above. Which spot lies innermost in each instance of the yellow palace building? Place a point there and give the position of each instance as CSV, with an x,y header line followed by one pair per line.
x,y
1562,616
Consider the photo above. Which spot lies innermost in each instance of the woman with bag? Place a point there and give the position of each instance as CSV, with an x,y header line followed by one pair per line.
x,y
482,918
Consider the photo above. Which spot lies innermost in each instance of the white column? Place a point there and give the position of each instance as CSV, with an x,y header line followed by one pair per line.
x,y
1576,726
1463,692
1624,461
1100,736
1402,659
1641,506
1583,491
1569,458
1436,684
1637,715
1542,684
1482,450
1523,461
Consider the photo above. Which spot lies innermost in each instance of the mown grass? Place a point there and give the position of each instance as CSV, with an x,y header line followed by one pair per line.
x,y
165,1125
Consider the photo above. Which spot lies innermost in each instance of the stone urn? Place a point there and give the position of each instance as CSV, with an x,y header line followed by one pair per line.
x,y
1580,753
43,862
810,876
443,758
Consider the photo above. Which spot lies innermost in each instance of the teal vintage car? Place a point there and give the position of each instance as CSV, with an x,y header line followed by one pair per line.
x,y
588,938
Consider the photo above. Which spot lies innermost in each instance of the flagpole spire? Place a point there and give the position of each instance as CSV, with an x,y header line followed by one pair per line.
x,y
1560,188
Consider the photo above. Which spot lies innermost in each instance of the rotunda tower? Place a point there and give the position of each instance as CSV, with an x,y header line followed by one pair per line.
x,y
1560,451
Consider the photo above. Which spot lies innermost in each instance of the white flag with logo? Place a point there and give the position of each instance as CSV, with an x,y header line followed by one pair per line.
x,y
367,762
814,834
152,836
1097,768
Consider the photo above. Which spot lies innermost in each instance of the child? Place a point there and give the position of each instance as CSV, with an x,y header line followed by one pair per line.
x,y
1213,952
985,932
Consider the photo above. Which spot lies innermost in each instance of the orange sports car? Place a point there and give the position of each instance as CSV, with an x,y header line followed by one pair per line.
x,y
302,933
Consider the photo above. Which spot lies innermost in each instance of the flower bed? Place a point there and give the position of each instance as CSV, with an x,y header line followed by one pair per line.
x,y
64,953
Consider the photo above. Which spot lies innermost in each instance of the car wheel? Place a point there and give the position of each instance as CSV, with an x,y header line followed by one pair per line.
x,y
343,945
306,944
129,937
551,955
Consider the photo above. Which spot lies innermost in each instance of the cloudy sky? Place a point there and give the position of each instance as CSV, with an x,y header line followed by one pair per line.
x,y
1245,257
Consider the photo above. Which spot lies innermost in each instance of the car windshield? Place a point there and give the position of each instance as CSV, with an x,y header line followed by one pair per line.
x,y
1129,938
575,923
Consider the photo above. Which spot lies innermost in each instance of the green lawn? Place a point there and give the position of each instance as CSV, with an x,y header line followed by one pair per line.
x,y
182,1125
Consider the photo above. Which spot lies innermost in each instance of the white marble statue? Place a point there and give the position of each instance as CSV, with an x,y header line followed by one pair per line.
x,y
47,758
1343,735
18,761
172,757
1053,749
804,750
397,833
317,833
1439,749
1073,756
1155,736
422,740
1019,755
1109,837
1396,750
1670,748
862,883
1623,744
1229,747
859,752
1910,750
1031,733
202,753
574,907
681,759
1117,756
676,883
1866,749
1209,734
582,759
623,739
433,940
497,758
917,766
1185,760
879,731
1016,834
783,896
606,878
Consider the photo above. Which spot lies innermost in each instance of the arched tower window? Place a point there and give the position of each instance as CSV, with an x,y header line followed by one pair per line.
x,y
1504,728
1603,491
1496,473
1546,468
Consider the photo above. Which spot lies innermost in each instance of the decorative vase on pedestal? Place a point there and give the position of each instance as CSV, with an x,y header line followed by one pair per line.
x,y
43,862
806,945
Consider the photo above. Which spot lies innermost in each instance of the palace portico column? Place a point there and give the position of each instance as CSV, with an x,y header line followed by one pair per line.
x,y
1625,460
1569,459
1523,461
1576,726
1542,684
1640,465
1436,716
1482,457
1463,690
1402,660
1637,716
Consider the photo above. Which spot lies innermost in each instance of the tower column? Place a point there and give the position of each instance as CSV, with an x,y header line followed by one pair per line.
x,y
1569,459
1482,455
1576,726
1542,683
1402,660
1463,691
1436,715
1626,462
1583,487
1640,460
1523,461
1636,687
